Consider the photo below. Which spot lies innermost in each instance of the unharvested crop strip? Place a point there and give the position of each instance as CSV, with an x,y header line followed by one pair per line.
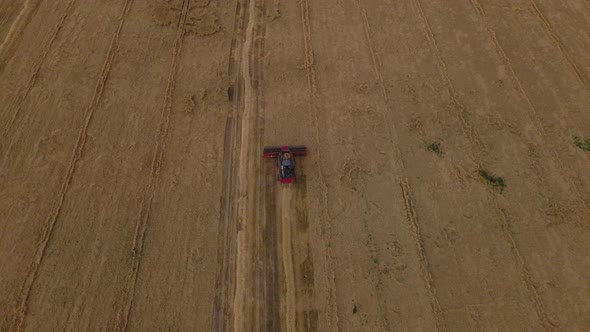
x,y
534,297
141,226
533,114
49,225
405,186
311,80
17,104
566,55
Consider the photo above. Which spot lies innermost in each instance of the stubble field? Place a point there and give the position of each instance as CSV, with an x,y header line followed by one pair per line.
x,y
446,186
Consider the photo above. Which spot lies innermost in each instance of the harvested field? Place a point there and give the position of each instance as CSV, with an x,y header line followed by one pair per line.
x,y
446,186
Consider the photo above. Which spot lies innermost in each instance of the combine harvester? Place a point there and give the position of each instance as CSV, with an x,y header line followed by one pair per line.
x,y
285,157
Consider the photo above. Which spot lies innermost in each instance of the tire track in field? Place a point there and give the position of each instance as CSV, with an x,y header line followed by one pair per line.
x,y
472,134
22,15
309,64
16,30
538,124
564,52
533,114
141,226
406,190
21,311
425,265
458,106
17,104
225,284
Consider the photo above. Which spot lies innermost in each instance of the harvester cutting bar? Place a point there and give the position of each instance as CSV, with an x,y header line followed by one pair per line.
x,y
273,151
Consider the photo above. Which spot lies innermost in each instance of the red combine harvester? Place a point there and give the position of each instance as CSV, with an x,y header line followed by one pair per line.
x,y
285,157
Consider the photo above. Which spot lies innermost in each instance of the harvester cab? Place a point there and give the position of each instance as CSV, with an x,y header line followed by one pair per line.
x,y
285,159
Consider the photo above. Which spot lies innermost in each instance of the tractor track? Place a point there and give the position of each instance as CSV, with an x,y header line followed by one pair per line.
x,y
142,222
108,224
458,106
16,30
478,148
49,225
532,113
406,190
17,103
557,41
309,64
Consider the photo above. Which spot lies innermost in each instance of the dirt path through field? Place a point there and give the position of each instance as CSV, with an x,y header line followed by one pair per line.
x,y
247,307
244,208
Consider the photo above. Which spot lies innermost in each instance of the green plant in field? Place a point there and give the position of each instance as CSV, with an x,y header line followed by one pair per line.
x,y
435,147
494,181
582,143
354,309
